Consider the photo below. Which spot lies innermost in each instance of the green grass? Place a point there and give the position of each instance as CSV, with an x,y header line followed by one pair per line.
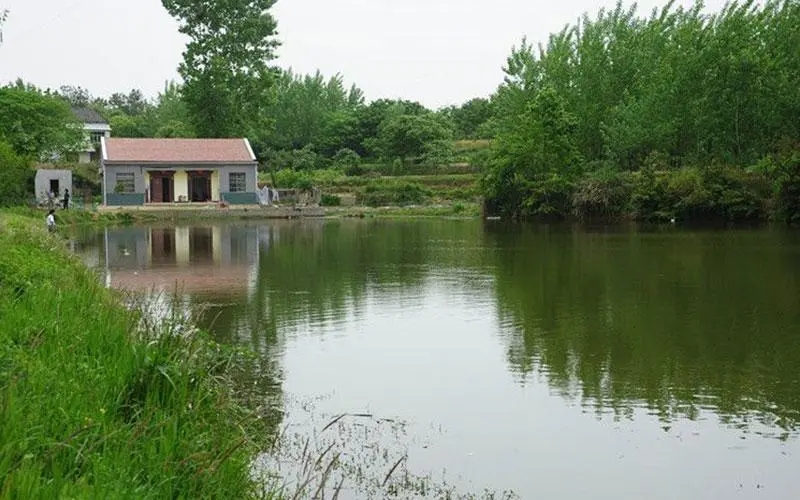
x,y
454,210
93,404
375,189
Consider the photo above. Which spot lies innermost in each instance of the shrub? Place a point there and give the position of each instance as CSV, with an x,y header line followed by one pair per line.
x,y
550,197
330,200
401,193
16,177
787,190
346,158
602,194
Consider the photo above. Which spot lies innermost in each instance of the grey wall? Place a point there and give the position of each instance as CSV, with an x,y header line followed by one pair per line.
x,y
111,177
42,182
224,181
224,184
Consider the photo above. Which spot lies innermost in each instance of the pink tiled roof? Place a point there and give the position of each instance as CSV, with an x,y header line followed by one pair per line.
x,y
119,150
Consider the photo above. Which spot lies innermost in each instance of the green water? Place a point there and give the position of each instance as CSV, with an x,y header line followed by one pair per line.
x,y
557,362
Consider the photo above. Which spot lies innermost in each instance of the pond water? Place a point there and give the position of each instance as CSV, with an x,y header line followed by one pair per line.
x,y
556,362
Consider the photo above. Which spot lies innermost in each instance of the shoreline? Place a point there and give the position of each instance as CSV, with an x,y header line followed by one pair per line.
x,y
94,401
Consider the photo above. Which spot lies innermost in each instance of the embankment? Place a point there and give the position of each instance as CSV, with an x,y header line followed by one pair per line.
x,y
92,404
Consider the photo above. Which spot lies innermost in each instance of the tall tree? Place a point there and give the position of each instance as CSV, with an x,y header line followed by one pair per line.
x,y
225,67
3,17
35,123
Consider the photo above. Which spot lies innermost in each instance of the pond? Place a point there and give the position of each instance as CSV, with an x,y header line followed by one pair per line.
x,y
551,361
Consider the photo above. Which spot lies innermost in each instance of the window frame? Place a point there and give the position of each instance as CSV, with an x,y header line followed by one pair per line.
x,y
128,183
240,185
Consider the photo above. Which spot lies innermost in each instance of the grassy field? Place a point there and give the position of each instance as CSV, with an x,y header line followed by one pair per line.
x,y
96,403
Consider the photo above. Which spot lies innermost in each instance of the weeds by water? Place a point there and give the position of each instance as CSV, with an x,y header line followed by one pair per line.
x,y
354,456
96,403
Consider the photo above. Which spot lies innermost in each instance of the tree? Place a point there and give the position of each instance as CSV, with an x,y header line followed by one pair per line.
x,y
3,17
37,124
225,66
310,110
468,118
407,136
16,176
78,97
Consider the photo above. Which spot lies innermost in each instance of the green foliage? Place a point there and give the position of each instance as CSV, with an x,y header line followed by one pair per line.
x,y
16,177
296,159
408,136
310,111
602,194
788,190
470,118
292,179
330,200
688,85
130,115
225,66
35,123
348,160
395,193
94,401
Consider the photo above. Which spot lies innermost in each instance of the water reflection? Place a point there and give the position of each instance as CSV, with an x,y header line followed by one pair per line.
x,y
676,322
213,259
672,321
508,336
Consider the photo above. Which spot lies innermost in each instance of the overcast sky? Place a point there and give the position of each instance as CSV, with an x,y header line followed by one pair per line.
x,y
438,52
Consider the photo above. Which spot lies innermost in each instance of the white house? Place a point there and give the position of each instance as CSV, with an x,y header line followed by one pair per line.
x,y
95,128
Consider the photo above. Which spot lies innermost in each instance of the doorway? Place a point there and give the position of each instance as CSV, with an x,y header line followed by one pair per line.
x,y
200,186
162,187
54,187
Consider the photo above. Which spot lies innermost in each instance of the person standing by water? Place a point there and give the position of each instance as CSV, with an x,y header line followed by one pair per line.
x,y
51,220
66,199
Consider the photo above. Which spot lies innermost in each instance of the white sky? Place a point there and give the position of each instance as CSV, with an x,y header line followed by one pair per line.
x,y
438,52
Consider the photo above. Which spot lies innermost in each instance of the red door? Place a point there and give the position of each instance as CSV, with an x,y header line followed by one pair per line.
x,y
156,189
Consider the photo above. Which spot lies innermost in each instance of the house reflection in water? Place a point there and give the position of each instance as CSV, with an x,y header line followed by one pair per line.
x,y
215,259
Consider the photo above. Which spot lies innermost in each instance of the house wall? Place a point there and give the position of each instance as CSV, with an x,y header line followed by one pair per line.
x,y
124,199
181,180
220,184
42,182
215,176
251,179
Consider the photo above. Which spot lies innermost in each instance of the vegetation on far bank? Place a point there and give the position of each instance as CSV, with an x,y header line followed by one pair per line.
x,y
98,402
681,113
677,114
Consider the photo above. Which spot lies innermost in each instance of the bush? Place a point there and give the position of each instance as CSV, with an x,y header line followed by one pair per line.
x,y
602,194
346,158
787,190
288,179
549,197
16,177
330,200
402,193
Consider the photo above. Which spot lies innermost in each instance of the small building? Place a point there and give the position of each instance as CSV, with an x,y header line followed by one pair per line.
x,y
95,128
165,171
50,184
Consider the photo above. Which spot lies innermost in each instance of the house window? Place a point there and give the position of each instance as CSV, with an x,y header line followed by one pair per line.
x,y
237,181
125,183
96,136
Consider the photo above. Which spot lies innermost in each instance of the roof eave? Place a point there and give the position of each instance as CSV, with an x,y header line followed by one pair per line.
x,y
222,163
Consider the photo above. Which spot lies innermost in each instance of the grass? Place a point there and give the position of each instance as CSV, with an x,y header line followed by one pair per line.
x,y
96,403
454,210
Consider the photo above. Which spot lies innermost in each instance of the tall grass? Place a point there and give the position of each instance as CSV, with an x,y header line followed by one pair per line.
x,y
94,406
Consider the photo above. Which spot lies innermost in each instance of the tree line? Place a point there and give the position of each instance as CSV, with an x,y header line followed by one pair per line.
x,y
678,113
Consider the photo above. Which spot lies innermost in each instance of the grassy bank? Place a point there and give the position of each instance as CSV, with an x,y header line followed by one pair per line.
x,y
92,404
